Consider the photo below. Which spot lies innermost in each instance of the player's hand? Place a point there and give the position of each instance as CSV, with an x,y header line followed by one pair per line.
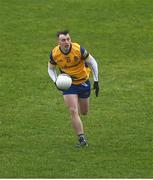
x,y
96,88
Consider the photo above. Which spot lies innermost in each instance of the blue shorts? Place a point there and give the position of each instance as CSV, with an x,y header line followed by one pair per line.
x,y
82,90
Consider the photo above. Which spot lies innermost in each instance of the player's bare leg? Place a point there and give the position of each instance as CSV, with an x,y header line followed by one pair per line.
x,y
71,100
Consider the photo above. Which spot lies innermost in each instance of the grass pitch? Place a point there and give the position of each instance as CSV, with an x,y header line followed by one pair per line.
x,y
36,138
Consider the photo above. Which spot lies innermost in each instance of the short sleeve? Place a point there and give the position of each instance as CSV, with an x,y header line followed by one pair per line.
x,y
84,53
51,59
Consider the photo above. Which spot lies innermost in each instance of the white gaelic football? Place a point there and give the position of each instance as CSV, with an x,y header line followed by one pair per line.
x,y
63,81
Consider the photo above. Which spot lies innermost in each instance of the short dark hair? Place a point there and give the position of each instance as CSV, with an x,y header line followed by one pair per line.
x,y
65,32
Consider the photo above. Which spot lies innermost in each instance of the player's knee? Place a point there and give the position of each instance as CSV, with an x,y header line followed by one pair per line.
x,y
73,110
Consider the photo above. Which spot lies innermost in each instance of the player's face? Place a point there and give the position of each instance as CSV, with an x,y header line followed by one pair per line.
x,y
64,41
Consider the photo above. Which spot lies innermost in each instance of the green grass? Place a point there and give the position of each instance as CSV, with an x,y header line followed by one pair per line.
x,y
36,138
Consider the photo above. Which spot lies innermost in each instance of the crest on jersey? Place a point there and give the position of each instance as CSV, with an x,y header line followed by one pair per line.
x,y
68,60
76,58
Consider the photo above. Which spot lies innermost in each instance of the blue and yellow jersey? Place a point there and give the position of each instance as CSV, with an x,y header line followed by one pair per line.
x,y
72,63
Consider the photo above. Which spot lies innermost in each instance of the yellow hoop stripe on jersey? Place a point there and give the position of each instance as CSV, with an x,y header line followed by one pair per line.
x,y
71,63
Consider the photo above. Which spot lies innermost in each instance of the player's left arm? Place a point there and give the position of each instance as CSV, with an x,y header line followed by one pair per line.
x,y
91,62
94,66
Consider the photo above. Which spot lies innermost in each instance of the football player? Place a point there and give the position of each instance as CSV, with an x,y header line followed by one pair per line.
x,y
74,60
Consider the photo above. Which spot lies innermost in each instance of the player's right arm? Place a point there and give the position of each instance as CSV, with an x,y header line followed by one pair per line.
x,y
52,69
